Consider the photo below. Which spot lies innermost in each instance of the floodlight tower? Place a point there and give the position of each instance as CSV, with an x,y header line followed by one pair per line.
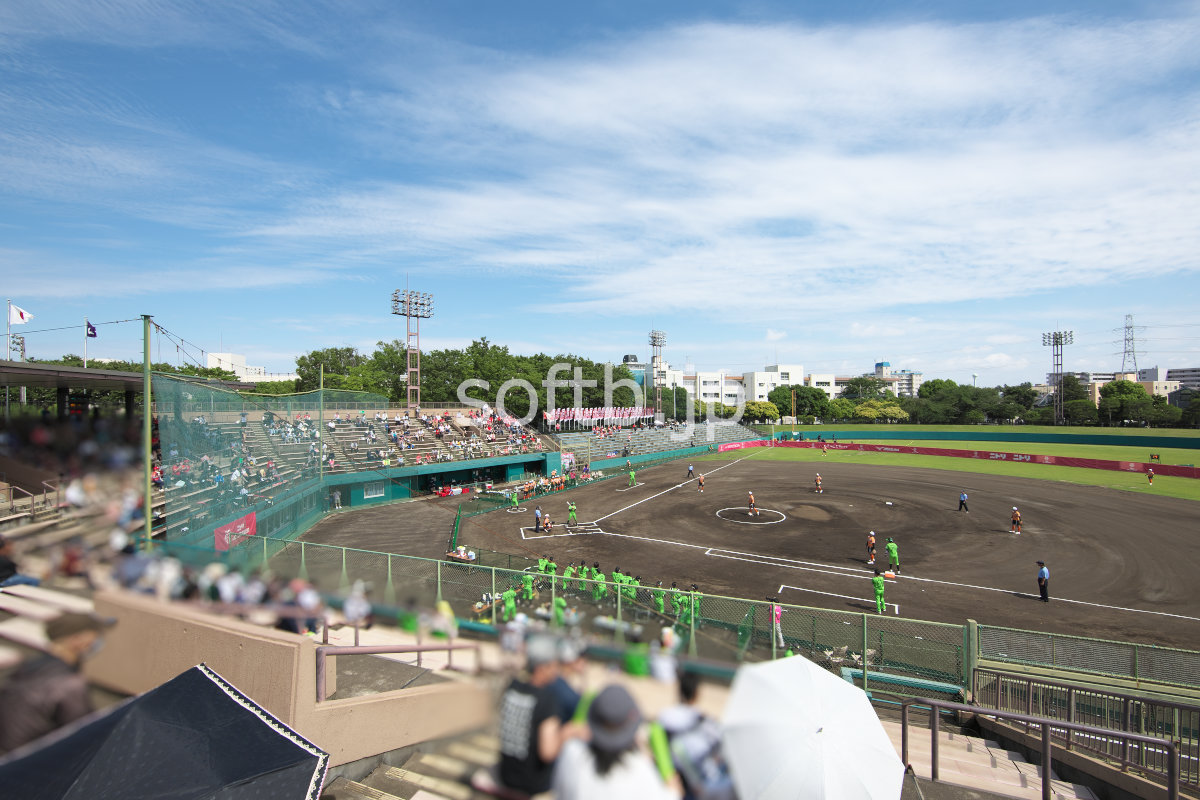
x,y
658,375
414,307
1056,340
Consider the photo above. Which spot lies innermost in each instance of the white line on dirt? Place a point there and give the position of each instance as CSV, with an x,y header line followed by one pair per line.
x,y
843,596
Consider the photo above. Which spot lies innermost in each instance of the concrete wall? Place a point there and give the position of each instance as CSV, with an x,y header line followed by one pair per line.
x,y
153,642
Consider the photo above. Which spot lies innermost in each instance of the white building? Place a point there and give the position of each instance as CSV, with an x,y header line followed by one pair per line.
x,y
760,384
236,363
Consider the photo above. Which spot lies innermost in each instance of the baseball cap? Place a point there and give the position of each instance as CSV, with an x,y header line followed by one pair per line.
x,y
540,650
1014,508
73,623
613,718
1041,563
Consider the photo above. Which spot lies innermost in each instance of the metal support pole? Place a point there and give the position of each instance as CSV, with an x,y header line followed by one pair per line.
x,y
1047,788
147,448
934,724
620,627
904,734
864,651
439,581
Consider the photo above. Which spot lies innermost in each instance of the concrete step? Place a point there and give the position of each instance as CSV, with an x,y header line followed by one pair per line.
x,y
24,607
343,789
50,597
981,764
404,782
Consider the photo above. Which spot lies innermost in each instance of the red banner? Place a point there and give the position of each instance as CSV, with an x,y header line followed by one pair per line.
x,y
235,532
989,455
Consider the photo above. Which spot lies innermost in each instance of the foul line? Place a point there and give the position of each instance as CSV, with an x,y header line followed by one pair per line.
x,y
771,561
664,491
783,586
718,554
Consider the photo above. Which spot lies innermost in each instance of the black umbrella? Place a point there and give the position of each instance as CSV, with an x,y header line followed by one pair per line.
x,y
195,736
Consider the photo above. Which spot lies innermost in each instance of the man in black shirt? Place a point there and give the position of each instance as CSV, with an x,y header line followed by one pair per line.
x,y
531,733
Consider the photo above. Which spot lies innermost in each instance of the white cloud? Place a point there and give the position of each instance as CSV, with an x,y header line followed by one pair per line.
x,y
775,336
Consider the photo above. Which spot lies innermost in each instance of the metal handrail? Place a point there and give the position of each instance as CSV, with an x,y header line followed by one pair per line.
x,y
323,651
1072,692
12,501
1047,750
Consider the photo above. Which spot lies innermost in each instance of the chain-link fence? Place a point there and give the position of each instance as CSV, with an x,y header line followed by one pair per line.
x,y
1094,656
224,455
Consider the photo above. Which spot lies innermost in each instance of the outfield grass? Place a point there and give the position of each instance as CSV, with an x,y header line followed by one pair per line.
x,y
1186,488
1106,452
812,430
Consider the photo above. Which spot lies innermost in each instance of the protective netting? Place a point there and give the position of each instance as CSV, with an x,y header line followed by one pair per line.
x,y
230,461
1060,651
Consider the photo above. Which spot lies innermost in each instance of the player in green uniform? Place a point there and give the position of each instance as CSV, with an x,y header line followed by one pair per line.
x,y
631,587
568,576
893,555
551,569
632,477
571,518
676,599
510,603
560,606
542,562
660,598
585,572
515,500
527,586
600,587
877,582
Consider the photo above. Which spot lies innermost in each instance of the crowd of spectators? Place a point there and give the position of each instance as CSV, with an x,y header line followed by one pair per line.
x,y
598,746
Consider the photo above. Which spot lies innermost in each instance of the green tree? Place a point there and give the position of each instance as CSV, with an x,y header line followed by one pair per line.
x,y
1072,389
1080,412
866,387
1124,400
841,409
810,401
758,411
1023,395
336,360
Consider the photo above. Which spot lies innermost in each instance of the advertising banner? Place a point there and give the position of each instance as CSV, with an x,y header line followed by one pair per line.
x,y
235,532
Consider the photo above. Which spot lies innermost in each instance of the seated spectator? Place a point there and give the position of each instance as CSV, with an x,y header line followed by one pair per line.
x,y
695,741
610,764
46,693
9,576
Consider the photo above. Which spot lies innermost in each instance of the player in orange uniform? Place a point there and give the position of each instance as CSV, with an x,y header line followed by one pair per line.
x,y
871,548
1016,521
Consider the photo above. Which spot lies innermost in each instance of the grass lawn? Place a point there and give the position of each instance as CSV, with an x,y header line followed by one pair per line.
x,y
1109,453
812,430
1187,488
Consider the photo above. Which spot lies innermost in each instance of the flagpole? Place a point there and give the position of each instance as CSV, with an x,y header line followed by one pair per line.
x,y
7,354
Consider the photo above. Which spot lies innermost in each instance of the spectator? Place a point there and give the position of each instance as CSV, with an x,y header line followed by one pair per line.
x,y
45,693
531,734
610,764
695,741
9,576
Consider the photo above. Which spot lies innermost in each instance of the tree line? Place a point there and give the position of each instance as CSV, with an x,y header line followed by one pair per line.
x,y
865,399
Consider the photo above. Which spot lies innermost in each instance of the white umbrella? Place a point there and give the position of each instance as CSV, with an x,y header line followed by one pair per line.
x,y
794,730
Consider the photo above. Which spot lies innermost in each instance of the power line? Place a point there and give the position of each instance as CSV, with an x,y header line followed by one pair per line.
x,y
72,327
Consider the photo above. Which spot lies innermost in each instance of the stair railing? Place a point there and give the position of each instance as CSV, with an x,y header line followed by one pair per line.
x,y
1045,724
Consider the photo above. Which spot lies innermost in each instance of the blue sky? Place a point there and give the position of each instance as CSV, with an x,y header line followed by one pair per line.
x,y
931,184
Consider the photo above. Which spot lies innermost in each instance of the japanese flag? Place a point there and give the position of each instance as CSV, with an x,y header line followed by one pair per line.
x,y
18,316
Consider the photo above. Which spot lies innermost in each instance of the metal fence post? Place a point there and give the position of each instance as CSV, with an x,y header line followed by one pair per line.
x,y
553,595
494,595
389,592
439,581
1046,785
303,564
934,724
970,653
620,628
864,651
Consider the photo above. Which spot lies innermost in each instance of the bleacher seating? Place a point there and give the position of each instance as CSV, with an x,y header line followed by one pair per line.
x,y
588,446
